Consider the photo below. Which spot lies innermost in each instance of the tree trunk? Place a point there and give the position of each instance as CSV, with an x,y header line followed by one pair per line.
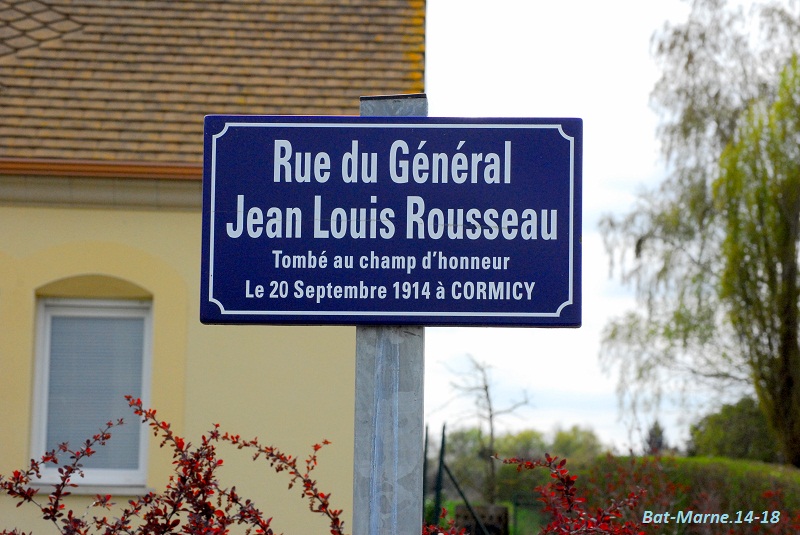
x,y
785,406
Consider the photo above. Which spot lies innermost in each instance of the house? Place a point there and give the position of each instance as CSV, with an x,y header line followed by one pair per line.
x,y
101,117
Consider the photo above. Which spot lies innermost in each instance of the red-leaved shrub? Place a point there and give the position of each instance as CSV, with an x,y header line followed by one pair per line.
x,y
195,503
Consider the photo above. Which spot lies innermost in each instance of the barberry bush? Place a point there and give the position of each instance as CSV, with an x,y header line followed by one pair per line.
x,y
568,510
194,501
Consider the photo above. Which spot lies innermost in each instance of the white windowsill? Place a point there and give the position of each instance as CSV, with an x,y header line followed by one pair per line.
x,y
93,490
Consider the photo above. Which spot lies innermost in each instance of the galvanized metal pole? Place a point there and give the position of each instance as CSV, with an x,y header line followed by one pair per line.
x,y
388,457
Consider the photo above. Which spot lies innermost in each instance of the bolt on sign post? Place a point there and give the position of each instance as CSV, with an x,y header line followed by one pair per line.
x,y
391,221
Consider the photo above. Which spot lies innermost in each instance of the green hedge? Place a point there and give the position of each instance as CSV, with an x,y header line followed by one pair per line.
x,y
700,484
739,484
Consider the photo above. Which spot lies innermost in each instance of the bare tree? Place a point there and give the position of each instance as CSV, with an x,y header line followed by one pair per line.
x,y
476,383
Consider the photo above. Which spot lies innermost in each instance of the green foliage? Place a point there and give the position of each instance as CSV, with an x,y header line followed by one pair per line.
x,y
735,483
527,444
579,445
700,484
758,192
526,520
466,456
714,248
737,431
512,484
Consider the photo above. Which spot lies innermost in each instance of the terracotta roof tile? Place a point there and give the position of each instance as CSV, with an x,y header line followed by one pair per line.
x,y
130,80
31,7
26,23
8,14
47,16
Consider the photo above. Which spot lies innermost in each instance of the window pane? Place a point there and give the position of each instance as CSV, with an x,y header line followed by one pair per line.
x,y
94,363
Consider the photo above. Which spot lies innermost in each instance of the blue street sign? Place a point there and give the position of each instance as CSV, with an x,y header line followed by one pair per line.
x,y
378,220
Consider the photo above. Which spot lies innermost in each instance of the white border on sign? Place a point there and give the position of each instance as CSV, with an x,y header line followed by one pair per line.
x,y
310,313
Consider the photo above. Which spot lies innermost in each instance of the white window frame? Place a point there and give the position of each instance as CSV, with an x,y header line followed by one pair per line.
x,y
47,308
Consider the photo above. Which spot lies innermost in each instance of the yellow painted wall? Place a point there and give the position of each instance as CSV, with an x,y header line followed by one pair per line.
x,y
289,386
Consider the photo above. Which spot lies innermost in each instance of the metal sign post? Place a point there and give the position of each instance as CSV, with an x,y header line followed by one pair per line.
x,y
389,414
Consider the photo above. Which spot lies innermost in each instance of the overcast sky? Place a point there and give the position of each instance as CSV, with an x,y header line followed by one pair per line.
x,y
540,58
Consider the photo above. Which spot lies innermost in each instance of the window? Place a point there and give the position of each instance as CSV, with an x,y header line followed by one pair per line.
x,y
90,354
